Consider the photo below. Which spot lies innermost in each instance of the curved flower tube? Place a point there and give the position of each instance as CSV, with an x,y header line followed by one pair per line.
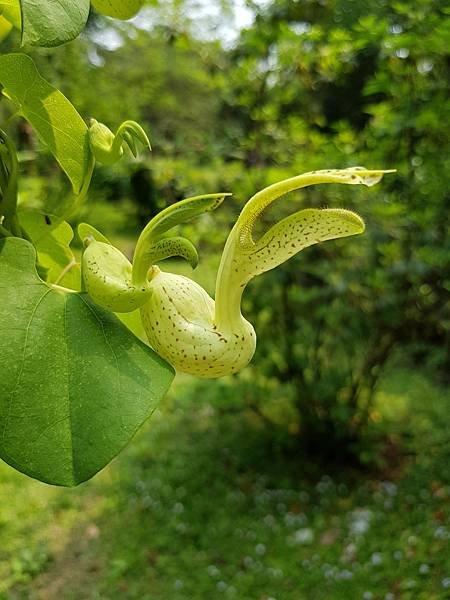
x,y
183,323
212,339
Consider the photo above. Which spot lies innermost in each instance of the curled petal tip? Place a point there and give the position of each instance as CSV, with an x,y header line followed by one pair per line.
x,y
355,175
355,221
194,262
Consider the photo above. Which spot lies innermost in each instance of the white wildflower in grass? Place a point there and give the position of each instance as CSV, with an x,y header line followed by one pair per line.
x,y
376,559
303,536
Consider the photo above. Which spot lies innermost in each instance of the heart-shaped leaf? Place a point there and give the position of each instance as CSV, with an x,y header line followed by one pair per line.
x,y
76,383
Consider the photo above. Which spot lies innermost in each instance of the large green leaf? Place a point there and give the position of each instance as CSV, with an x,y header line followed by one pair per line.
x,y
76,384
56,121
52,22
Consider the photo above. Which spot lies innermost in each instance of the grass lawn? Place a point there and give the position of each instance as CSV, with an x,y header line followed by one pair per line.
x,y
206,506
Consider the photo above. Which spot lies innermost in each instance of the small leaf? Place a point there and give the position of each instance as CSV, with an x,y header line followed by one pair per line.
x,y
10,10
51,236
5,28
183,211
52,22
76,383
57,123
119,9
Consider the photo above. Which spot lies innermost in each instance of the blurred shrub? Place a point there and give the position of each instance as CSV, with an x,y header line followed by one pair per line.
x,y
320,94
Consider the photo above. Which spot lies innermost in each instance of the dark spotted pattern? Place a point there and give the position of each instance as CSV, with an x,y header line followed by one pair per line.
x,y
292,234
179,322
107,278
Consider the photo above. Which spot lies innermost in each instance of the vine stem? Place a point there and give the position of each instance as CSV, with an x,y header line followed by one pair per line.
x,y
79,198
4,232
11,171
141,262
73,263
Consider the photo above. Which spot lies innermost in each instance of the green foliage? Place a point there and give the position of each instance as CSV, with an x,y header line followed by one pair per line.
x,y
119,9
179,82
57,123
51,237
306,85
11,11
313,83
76,383
52,22
278,525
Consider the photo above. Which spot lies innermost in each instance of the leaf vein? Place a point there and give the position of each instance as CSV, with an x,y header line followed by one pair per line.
x,y
106,340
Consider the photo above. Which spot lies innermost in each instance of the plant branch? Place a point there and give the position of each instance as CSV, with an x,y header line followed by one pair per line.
x,y
11,170
73,263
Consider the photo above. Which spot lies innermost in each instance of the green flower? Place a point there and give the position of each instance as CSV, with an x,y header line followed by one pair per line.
x,y
183,323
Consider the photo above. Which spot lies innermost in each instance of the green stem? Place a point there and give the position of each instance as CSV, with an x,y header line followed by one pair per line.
x,y
229,286
60,288
3,176
79,198
73,263
141,259
4,232
9,203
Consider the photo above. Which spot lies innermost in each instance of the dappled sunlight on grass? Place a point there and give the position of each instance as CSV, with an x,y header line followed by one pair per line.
x,y
207,504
